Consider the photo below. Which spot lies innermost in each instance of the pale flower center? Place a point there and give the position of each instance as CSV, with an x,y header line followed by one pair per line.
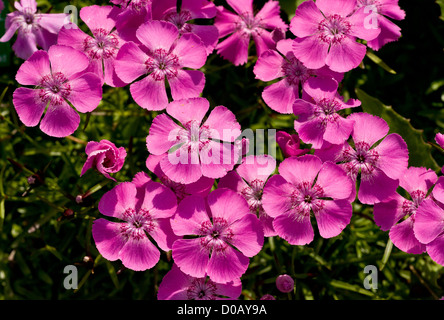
x,y
138,223
162,64
200,289
215,236
54,88
334,29
247,25
104,45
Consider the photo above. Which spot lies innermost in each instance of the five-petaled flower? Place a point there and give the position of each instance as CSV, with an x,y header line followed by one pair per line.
x,y
225,234
33,29
195,148
55,85
238,29
306,186
102,47
144,208
326,34
162,56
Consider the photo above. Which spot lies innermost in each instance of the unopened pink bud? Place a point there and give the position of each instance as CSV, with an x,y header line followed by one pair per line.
x,y
285,283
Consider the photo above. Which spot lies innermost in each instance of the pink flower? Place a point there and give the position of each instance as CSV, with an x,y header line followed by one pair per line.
x,y
34,29
397,213
225,234
163,56
281,64
105,157
244,24
55,83
289,144
318,119
381,9
439,138
188,11
101,47
303,186
284,283
326,34
129,15
144,208
201,187
194,149
177,285
429,223
248,180
380,165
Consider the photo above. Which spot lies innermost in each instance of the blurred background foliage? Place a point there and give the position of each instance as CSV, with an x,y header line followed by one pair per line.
x,y
43,228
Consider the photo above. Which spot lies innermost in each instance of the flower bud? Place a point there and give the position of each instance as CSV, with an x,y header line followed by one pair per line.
x,y
289,144
285,283
105,157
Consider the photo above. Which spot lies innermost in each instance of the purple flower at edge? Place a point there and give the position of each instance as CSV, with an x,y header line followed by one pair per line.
x,y
33,29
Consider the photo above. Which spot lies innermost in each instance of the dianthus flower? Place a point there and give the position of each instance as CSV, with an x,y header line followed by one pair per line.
x,y
281,64
129,15
397,213
183,18
177,285
201,187
380,158
34,29
163,56
102,47
318,117
382,10
439,138
195,148
225,234
144,207
326,34
105,157
429,223
243,25
248,180
305,186
55,83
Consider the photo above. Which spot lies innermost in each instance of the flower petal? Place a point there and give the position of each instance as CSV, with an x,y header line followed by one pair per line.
x,y
28,106
60,120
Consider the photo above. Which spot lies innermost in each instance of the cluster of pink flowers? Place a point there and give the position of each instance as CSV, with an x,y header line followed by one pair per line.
x,y
204,198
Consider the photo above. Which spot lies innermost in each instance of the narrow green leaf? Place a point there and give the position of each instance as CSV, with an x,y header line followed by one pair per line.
x,y
372,56
441,4
387,252
419,151
351,287
112,274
